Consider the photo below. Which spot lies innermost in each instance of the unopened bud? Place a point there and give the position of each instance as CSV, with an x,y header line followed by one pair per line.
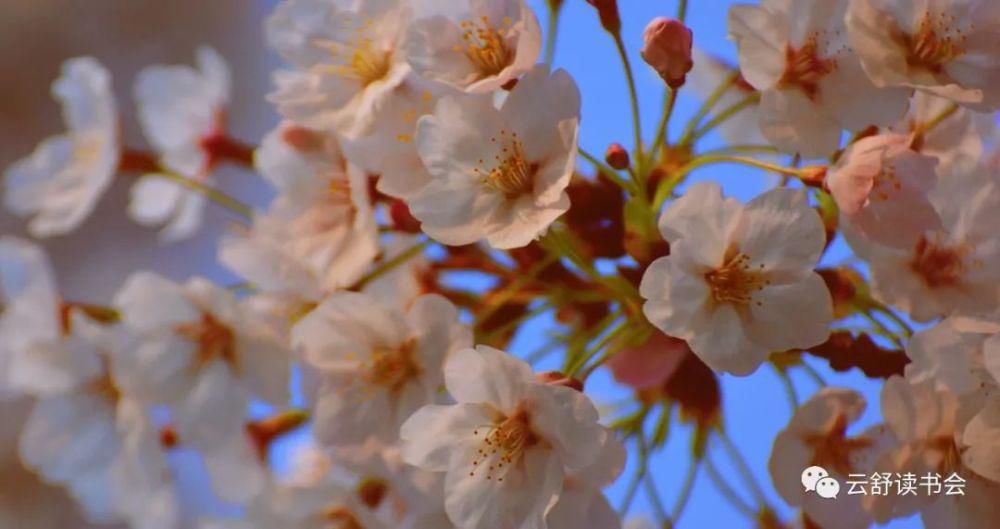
x,y
608,11
555,378
667,48
617,157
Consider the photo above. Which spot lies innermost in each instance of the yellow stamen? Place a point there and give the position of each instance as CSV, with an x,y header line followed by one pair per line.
x,y
486,46
734,282
512,174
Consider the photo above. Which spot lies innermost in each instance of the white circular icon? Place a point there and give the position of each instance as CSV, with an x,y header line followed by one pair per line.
x,y
811,475
827,488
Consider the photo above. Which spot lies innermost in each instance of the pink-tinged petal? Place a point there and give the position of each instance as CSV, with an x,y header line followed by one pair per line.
x,y
487,375
567,419
236,473
432,435
518,500
761,37
648,365
677,301
794,124
856,102
781,234
795,315
537,105
703,214
724,346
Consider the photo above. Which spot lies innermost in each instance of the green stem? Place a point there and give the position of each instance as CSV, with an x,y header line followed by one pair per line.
x,y
608,171
393,264
212,194
945,114
669,102
555,14
511,290
722,117
682,10
741,466
601,345
786,382
701,161
685,493
813,374
633,93
708,105
726,490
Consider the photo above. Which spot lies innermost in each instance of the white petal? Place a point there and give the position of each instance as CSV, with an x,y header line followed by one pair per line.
x,y
487,375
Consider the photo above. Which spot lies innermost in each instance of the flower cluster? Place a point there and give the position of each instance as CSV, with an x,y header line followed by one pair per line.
x,y
419,141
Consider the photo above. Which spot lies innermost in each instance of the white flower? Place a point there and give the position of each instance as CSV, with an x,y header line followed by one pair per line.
x,y
25,499
931,424
949,48
60,184
506,445
881,186
390,151
817,436
708,73
499,175
349,59
45,347
180,108
961,357
952,269
581,505
739,281
100,443
957,141
476,46
205,355
320,232
299,506
812,84
377,365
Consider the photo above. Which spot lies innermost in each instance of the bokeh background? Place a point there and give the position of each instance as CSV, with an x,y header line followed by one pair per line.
x,y
37,35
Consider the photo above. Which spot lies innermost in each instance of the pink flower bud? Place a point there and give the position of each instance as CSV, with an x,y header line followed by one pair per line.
x,y
667,48
607,10
617,157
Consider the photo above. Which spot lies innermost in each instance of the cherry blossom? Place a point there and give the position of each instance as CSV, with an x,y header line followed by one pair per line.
x,y
348,57
203,354
950,269
499,174
377,365
508,443
180,110
390,151
957,141
739,281
59,185
947,48
476,46
667,48
881,186
926,421
811,82
319,233
817,436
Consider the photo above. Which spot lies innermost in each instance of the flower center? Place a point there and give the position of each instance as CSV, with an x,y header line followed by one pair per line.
x,y
938,265
372,491
734,281
214,341
511,174
362,60
833,449
486,46
804,68
105,388
341,518
504,444
394,368
947,448
934,44
86,149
